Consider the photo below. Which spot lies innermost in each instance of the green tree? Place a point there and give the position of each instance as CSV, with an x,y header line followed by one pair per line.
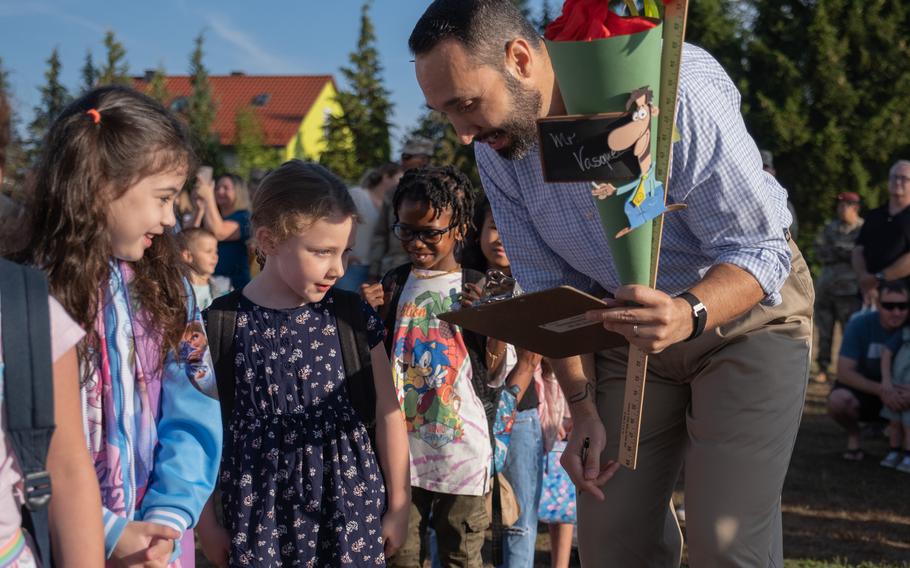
x,y
450,151
201,108
249,145
115,71
718,27
88,73
158,86
54,97
830,96
366,108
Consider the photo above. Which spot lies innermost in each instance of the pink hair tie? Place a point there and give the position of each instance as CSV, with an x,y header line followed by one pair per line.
x,y
96,116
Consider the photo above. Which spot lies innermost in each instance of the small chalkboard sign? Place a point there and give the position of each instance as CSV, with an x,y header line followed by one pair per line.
x,y
574,148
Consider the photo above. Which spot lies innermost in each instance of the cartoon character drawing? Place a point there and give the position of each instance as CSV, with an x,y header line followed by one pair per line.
x,y
431,404
192,350
646,194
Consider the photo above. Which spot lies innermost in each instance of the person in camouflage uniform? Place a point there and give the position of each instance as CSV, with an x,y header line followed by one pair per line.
x,y
837,288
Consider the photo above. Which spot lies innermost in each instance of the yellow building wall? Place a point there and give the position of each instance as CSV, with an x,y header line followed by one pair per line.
x,y
309,142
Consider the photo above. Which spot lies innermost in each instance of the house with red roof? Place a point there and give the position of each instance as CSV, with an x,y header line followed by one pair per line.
x,y
291,109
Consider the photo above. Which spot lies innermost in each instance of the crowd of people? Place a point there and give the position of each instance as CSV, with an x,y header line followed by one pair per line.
x,y
264,367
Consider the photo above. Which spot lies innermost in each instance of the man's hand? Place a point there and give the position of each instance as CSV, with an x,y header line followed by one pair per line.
x,y
590,475
868,285
649,319
144,544
372,294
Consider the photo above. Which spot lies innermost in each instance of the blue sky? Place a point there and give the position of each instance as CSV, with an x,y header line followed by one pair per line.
x,y
276,37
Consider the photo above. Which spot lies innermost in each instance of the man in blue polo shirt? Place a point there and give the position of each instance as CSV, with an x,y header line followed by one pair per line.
x,y
729,325
856,396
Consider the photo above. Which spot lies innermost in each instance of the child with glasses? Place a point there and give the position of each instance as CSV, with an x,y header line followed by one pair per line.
x,y
439,369
896,391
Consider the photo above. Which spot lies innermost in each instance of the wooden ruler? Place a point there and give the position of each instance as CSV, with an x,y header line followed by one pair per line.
x,y
670,58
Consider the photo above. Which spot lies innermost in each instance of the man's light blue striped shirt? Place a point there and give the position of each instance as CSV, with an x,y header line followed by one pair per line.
x,y
736,212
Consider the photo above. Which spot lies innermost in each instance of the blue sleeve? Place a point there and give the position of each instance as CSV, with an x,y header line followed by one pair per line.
x,y
852,346
735,210
189,433
375,327
243,219
534,264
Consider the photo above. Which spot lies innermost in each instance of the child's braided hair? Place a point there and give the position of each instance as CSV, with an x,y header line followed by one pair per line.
x,y
442,188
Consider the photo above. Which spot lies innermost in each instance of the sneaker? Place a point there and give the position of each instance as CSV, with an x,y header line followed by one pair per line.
x,y
892,459
904,466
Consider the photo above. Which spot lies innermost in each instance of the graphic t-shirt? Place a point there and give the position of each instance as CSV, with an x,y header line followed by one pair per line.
x,y
447,427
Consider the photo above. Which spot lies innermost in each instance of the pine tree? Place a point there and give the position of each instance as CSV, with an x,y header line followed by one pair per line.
x,y
54,97
116,70
249,145
200,110
16,163
158,86
830,95
89,73
450,151
718,27
364,123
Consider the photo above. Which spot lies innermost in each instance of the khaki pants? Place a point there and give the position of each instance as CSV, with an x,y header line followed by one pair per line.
x,y
728,406
459,522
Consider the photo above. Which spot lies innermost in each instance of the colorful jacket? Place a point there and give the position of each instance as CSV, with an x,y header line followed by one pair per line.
x,y
154,431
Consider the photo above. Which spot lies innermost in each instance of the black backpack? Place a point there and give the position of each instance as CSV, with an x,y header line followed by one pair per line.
x,y
220,323
29,390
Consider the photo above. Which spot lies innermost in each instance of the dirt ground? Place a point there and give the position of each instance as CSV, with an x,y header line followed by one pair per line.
x,y
836,513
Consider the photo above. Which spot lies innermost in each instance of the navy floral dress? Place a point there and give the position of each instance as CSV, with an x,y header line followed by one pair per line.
x,y
300,482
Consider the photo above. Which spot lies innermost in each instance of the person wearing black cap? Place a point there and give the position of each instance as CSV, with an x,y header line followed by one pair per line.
x,y
837,287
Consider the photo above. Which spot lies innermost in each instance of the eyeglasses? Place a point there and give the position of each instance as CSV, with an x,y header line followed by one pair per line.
x,y
427,236
900,179
893,306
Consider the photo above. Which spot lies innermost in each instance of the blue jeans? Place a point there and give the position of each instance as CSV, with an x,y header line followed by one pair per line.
x,y
524,472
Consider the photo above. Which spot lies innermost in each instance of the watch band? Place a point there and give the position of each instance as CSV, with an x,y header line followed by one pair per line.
x,y
699,314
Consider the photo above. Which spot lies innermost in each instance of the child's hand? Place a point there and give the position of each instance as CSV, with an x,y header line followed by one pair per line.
x,y
470,294
215,542
395,529
140,545
372,294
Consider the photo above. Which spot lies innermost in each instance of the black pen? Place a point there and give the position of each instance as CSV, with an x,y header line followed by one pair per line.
x,y
584,450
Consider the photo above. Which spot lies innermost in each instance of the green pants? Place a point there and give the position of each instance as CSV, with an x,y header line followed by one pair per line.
x,y
459,522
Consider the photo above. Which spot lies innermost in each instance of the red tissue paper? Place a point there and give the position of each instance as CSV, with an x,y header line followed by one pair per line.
x,y
586,20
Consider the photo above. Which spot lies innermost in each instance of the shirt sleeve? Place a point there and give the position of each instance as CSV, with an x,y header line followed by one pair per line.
x,y
65,332
189,433
534,264
375,329
852,346
736,212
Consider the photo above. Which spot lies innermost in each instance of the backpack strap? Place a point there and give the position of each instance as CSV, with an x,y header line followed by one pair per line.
x,y
393,282
29,389
355,354
220,323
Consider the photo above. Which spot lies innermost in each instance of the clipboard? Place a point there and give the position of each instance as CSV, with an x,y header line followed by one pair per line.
x,y
550,322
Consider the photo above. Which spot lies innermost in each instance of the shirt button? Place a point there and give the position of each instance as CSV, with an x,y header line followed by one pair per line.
x,y
589,215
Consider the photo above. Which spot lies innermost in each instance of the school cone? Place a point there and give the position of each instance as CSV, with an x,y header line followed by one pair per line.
x,y
597,76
